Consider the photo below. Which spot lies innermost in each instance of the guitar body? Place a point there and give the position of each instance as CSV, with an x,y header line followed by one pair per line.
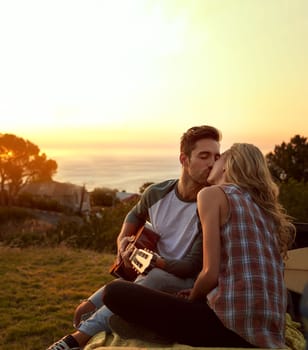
x,y
145,238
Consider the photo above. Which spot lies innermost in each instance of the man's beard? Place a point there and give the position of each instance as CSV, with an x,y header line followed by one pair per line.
x,y
203,179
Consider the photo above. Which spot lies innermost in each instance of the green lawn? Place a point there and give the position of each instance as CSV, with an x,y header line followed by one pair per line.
x,y
40,289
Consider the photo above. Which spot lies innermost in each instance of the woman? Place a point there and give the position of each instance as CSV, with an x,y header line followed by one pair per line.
x,y
239,298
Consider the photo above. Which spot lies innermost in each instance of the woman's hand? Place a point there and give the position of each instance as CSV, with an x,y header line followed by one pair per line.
x,y
185,293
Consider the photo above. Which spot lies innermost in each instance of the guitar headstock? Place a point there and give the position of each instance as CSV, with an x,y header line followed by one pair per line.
x,y
141,260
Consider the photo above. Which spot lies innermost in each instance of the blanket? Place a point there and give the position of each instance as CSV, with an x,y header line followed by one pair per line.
x,y
294,340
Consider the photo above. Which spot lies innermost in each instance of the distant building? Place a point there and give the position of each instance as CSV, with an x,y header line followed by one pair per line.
x,y
126,197
71,196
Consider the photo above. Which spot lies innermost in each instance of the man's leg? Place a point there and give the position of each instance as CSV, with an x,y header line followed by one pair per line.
x,y
86,329
155,279
99,320
87,307
96,323
164,281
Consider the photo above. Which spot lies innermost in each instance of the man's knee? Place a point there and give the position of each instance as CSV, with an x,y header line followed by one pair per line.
x,y
157,273
155,279
165,281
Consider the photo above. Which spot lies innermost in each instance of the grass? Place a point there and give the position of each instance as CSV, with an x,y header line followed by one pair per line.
x,y
40,288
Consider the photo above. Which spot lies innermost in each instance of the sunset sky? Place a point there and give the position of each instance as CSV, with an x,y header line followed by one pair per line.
x,y
93,75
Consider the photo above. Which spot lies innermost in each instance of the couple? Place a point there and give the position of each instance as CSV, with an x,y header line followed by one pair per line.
x,y
231,295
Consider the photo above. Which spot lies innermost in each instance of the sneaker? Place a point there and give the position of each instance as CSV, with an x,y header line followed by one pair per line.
x,y
64,344
127,330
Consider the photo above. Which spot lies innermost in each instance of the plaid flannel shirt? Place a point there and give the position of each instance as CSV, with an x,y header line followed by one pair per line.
x,y
250,298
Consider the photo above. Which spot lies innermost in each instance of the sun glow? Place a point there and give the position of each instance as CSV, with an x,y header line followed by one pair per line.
x,y
121,71
114,72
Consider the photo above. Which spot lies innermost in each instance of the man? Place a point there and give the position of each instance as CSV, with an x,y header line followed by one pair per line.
x,y
170,206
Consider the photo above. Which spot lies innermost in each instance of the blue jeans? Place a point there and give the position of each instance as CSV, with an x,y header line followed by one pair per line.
x,y
156,279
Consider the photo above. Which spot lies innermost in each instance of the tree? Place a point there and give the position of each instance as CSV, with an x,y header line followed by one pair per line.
x,y
20,163
290,160
293,196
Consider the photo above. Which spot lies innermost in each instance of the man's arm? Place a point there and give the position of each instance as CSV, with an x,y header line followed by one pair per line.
x,y
189,266
128,229
124,238
133,221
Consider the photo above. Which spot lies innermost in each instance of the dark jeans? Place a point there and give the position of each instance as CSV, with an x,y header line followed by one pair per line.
x,y
180,320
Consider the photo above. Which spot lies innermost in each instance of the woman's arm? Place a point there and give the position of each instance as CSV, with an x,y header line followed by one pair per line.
x,y
213,209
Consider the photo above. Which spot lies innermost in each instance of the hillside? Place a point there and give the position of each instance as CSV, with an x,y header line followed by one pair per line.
x,y
40,289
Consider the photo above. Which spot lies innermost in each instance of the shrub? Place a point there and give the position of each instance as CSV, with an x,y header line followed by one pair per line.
x,y
29,201
14,213
97,232
103,197
293,196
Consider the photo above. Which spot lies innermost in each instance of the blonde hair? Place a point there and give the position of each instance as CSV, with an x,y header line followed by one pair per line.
x,y
246,166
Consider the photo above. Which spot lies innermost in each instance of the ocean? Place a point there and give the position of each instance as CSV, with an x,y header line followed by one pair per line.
x,y
122,172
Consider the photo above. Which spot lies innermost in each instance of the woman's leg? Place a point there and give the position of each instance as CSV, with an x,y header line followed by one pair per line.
x,y
175,318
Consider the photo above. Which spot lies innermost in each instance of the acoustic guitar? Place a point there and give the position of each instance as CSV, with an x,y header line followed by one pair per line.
x,y
145,238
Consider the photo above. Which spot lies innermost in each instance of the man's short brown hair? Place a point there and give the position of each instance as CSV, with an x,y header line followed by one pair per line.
x,y
196,133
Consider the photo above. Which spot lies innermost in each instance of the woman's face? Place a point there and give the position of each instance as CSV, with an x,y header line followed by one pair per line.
x,y
217,173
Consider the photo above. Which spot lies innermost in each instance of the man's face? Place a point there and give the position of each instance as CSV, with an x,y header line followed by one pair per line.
x,y
217,173
201,161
